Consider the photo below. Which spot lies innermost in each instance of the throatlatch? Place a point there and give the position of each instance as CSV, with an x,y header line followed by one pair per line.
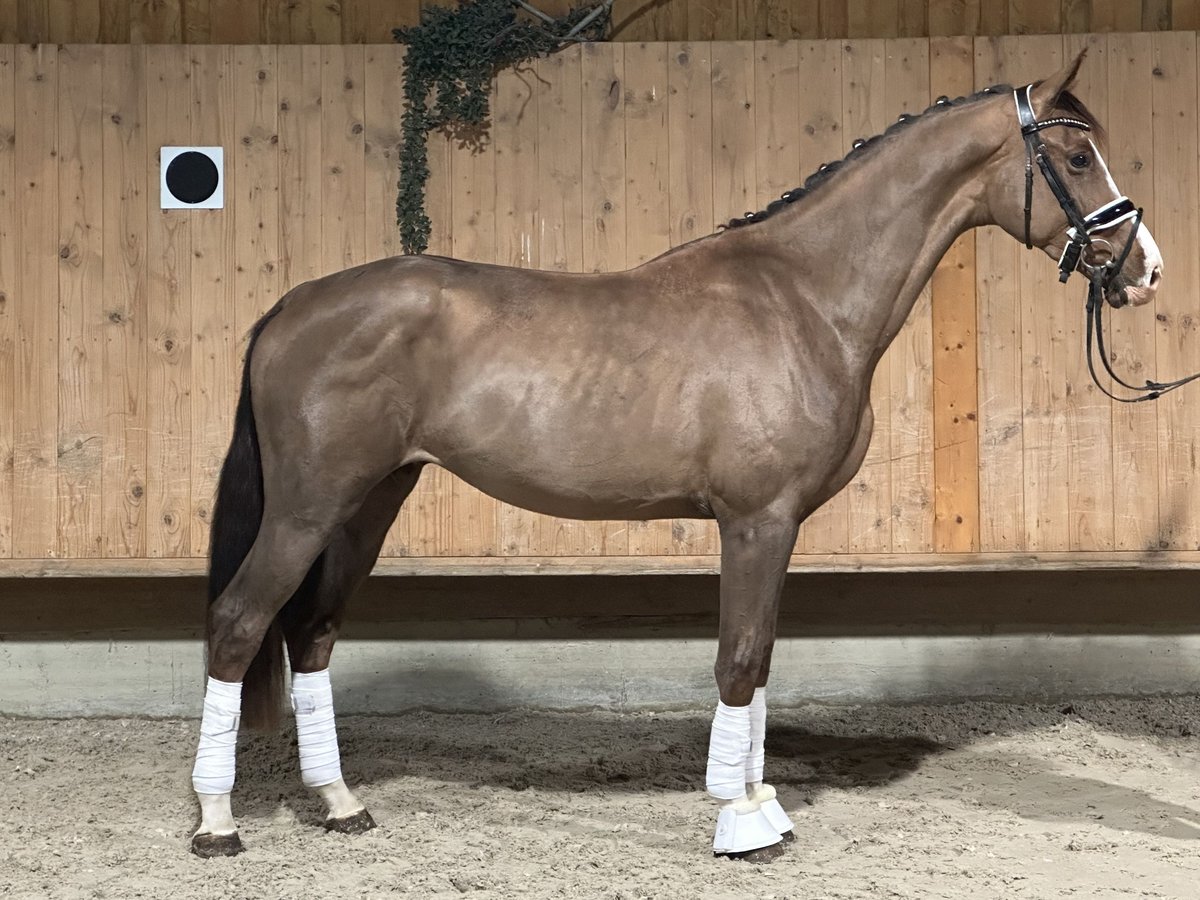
x,y
1081,234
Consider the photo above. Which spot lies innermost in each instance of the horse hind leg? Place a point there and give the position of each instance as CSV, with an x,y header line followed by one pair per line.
x,y
754,558
292,533
239,619
310,627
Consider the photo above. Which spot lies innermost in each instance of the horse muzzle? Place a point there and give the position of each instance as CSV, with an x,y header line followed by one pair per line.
x,y
1135,296
1126,291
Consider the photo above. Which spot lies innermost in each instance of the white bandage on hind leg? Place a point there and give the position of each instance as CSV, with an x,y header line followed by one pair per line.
x,y
312,700
216,755
758,736
728,747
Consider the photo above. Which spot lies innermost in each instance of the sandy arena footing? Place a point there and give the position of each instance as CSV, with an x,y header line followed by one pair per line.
x,y
1093,799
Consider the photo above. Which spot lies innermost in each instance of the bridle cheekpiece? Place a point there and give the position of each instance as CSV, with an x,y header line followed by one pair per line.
x,y
1082,228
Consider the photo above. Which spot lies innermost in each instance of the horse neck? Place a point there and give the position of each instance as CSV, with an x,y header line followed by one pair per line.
x,y
883,223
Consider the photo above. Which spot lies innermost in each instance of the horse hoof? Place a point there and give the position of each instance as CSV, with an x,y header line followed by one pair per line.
x,y
356,823
760,856
208,846
787,837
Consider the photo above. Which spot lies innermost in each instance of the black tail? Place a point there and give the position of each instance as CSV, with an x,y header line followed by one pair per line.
x,y
237,516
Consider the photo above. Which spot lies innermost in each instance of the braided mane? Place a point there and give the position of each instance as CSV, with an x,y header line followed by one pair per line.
x,y
1067,102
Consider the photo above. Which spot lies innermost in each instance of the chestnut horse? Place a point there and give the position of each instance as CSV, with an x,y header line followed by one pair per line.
x,y
727,379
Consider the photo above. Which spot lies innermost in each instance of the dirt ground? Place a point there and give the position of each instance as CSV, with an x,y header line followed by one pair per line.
x,y
1093,799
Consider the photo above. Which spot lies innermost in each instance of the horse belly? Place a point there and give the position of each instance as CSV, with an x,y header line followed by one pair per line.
x,y
579,461
550,487
545,499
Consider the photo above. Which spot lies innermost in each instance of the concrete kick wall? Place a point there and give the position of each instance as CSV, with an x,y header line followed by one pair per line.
x,y
132,647
162,678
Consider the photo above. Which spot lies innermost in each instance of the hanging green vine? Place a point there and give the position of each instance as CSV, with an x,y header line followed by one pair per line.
x,y
453,54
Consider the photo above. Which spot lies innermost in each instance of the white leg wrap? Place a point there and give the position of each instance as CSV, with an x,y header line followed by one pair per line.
x,y
758,735
728,748
216,755
312,699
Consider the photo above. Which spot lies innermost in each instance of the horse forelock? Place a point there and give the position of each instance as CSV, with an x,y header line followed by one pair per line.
x,y
866,146
1071,105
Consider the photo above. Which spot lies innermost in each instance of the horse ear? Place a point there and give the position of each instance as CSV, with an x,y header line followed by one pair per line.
x,y
1046,93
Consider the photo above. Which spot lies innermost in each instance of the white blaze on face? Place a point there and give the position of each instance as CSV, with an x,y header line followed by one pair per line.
x,y
1145,240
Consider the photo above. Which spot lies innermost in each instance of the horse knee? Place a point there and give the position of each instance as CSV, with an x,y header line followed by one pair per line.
x,y
738,672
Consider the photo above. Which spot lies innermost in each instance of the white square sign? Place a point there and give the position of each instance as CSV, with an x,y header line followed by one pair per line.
x,y
192,177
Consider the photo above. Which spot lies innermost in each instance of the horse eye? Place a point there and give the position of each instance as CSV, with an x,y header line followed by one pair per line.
x,y
1080,162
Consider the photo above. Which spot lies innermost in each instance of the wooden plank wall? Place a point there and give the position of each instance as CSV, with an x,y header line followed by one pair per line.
x,y
370,21
121,326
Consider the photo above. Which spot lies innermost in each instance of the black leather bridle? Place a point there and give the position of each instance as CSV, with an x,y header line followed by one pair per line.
x,y
1082,234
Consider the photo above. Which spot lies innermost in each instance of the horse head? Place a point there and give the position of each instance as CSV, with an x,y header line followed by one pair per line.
x,y
1054,191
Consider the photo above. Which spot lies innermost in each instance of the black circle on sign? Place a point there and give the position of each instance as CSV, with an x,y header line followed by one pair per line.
x,y
192,177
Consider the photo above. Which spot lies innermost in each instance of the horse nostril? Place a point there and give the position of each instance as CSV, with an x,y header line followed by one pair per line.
x,y
1155,276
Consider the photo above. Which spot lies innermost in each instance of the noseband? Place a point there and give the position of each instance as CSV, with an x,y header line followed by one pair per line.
x,y
1082,234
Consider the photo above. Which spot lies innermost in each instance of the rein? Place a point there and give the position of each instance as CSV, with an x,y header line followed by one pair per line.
x,y
1082,233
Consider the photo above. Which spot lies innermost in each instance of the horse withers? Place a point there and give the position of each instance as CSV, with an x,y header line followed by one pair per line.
x,y
727,379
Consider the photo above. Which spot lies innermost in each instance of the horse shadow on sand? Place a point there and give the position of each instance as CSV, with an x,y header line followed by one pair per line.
x,y
566,753
812,752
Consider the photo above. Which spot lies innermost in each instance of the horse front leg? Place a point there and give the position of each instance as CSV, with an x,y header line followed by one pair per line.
x,y
754,559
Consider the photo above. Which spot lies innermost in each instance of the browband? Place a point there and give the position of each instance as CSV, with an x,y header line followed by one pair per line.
x,y
1029,121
